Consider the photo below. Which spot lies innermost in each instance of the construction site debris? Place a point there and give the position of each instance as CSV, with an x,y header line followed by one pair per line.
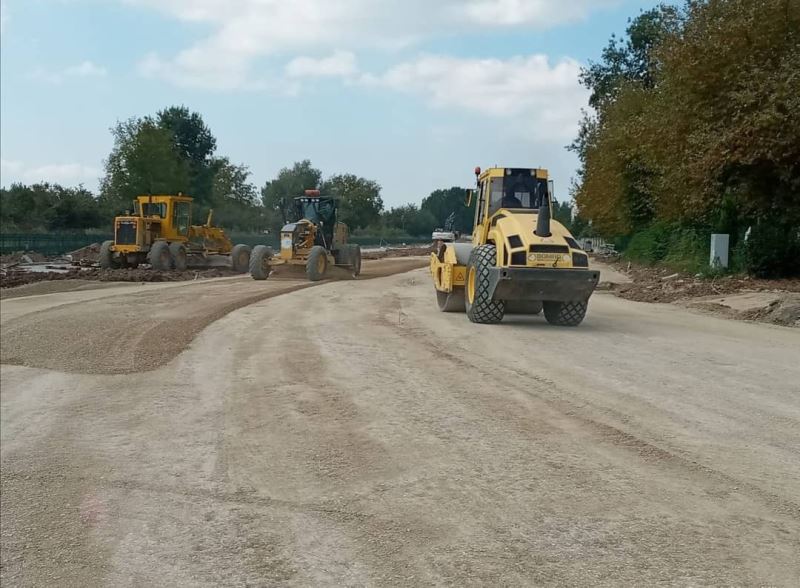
x,y
734,296
85,255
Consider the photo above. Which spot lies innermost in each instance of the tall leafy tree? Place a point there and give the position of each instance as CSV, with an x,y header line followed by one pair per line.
x,y
144,160
196,145
410,219
360,202
277,195
444,202
47,206
235,199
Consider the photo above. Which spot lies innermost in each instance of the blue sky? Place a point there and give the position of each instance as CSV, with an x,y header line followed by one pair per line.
x,y
411,93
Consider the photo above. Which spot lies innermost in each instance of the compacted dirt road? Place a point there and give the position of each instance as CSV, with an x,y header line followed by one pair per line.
x,y
350,434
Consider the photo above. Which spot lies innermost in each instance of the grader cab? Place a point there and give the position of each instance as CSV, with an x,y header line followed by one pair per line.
x,y
315,241
159,231
520,261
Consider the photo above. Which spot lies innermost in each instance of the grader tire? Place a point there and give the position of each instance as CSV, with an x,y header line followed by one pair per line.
x,y
180,259
451,301
355,259
160,257
565,314
259,262
107,260
240,258
479,305
317,263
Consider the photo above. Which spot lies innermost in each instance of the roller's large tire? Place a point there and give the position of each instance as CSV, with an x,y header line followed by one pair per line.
x,y
259,262
160,257
479,305
565,314
355,259
240,258
451,301
180,258
317,263
106,259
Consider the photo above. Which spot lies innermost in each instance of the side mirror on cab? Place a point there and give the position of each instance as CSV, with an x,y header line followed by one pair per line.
x,y
468,199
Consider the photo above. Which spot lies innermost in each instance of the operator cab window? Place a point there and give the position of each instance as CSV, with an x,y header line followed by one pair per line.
x,y
181,217
155,209
517,191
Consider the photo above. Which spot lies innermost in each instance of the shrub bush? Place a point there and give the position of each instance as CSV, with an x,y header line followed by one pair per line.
x,y
773,250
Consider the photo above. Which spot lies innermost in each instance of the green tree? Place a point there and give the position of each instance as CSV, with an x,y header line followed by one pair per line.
x,y
196,145
707,139
360,202
144,160
632,59
45,206
235,199
443,202
409,219
277,195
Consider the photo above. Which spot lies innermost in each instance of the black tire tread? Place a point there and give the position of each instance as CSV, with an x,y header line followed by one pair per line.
x,y
311,263
106,257
154,256
236,253
565,314
257,268
483,309
180,260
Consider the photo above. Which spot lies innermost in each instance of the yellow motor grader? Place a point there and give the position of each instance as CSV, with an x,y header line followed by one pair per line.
x,y
520,261
160,232
316,241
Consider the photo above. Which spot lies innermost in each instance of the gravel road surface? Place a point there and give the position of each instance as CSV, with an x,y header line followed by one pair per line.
x,y
238,433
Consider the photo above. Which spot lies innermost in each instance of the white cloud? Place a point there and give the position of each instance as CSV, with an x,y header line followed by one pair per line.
x,y
60,173
521,12
338,64
85,69
244,31
545,99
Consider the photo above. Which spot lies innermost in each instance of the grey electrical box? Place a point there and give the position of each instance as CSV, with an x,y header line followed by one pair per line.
x,y
719,250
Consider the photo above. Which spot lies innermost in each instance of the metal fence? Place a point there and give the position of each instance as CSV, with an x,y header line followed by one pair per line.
x,y
60,243
47,243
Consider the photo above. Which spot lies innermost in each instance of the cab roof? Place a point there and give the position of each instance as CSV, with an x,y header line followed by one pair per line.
x,y
500,172
164,198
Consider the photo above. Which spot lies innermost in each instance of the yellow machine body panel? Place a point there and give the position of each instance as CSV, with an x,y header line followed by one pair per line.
x,y
166,217
445,268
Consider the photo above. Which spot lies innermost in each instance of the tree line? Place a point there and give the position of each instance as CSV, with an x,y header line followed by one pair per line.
x,y
695,130
175,151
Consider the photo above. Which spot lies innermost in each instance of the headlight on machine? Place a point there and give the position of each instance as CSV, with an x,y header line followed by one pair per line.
x,y
580,260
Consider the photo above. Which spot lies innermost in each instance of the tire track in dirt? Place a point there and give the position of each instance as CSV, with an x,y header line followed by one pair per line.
x,y
138,332
570,412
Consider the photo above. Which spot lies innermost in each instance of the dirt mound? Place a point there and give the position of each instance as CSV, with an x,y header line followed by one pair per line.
x,y
15,278
782,311
21,257
651,284
90,253
385,252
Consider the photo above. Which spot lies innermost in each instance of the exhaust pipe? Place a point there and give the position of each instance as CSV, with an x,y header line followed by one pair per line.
x,y
543,220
